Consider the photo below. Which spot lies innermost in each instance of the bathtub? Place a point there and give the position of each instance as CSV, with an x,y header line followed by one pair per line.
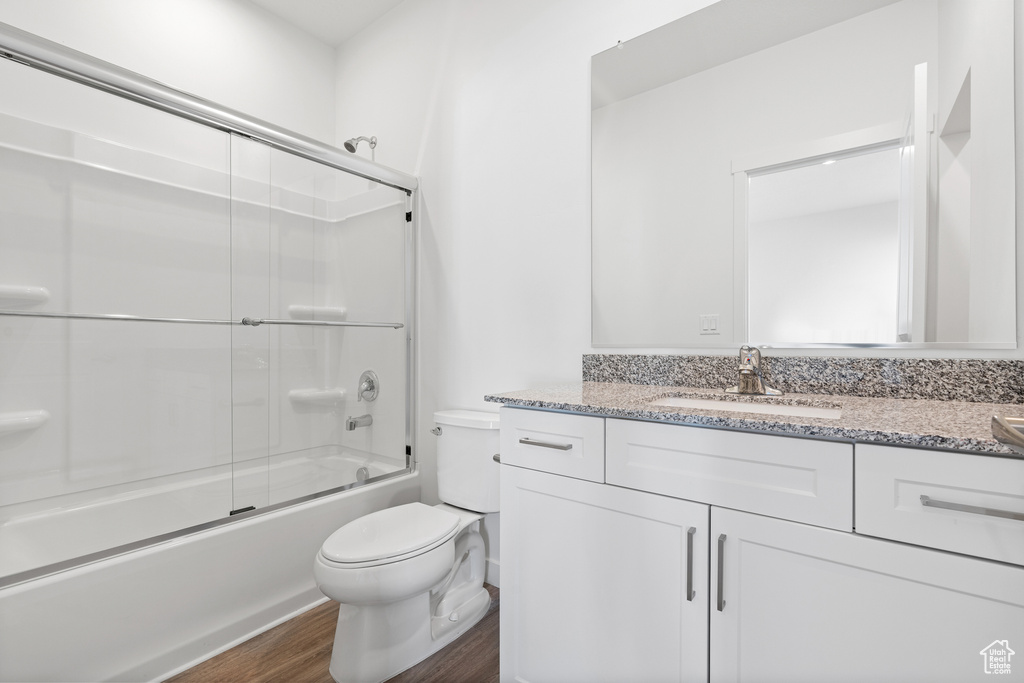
x,y
40,533
151,612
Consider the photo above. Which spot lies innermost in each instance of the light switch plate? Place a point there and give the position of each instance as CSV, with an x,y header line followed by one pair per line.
x,y
709,323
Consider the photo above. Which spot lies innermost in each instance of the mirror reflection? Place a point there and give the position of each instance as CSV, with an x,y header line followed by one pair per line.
x,y
793,173
839,219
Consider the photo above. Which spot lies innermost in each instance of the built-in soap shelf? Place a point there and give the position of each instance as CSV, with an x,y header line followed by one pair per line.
x,y
326,313
22,421
22,296
316,397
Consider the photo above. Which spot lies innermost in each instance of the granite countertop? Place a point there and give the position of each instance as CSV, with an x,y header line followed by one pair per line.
x,y
951,425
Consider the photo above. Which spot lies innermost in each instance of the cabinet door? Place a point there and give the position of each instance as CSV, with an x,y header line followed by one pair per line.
x,y
595,582
809,604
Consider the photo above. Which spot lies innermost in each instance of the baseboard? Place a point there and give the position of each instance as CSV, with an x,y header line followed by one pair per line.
x,y
492,574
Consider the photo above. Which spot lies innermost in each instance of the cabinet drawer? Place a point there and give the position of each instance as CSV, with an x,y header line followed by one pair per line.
x,y
798,479
560,443
965,494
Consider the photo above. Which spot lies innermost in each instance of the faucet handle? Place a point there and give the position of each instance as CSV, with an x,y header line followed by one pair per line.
x,y
750,356
369,386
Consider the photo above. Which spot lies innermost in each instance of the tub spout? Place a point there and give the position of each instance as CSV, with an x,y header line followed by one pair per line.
x,y
362,421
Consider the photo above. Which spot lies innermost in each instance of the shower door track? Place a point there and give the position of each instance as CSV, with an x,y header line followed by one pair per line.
x,y
253,322
45,55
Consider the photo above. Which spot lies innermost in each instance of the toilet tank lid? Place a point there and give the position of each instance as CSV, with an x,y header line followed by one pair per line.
x,y
474,419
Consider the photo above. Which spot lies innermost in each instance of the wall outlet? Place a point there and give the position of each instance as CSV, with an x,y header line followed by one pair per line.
x,y
709,323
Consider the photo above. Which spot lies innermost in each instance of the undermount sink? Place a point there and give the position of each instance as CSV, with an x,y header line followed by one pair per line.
x,y
773,408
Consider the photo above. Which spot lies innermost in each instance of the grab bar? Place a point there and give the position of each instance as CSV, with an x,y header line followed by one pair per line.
x,y
253,322
329,323
113,316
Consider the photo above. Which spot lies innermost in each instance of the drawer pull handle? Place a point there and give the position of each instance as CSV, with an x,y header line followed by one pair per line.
x,y
974,509
544,444
690,593
721,572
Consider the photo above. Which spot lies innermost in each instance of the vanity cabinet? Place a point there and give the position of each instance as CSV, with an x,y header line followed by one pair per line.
x,y
559,443
600,583
803,603
728,556
952,501
800,479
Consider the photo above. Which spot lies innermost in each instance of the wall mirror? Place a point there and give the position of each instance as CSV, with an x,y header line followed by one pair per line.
x,y
797,173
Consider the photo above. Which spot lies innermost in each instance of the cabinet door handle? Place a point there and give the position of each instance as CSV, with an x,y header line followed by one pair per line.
x,y
544,444
973,509
690,593
721,572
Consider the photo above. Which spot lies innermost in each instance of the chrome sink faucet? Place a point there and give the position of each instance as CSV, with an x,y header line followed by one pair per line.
x,y
751,379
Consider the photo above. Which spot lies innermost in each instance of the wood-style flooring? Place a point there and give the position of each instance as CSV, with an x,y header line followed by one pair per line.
x,y
299,651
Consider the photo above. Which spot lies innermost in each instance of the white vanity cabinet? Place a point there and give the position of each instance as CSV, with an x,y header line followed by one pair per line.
x,y
796,603
800,479
760,527
600,583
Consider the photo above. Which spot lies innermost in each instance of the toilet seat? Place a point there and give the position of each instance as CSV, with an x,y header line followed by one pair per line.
x,y
390,535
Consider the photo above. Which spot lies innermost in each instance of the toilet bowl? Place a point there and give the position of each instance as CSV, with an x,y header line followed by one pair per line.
x,y
410,579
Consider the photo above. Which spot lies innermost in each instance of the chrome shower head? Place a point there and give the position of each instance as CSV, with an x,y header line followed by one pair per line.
x,y
350,145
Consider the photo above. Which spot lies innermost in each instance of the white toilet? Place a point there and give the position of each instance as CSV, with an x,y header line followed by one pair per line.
x,y
410,578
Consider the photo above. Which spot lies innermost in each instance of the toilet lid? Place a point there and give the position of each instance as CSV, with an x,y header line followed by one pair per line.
x,y
391,534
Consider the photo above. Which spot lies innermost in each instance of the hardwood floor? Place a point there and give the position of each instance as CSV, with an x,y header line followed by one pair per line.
x,y
299,651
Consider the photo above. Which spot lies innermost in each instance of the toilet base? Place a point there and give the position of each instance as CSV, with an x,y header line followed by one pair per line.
x,y
372,643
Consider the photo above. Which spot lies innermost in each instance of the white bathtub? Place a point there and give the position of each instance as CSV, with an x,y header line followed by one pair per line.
x,y
150,613
39,533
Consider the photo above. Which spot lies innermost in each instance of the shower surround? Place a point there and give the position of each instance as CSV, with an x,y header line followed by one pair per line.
x,y
188,299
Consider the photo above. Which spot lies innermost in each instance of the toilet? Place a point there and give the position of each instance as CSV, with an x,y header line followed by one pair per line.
x,y
410,578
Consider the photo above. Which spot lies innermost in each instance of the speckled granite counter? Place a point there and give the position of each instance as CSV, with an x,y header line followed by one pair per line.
x,y
953,425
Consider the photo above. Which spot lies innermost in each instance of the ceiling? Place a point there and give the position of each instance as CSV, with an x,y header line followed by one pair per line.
x,y
331,21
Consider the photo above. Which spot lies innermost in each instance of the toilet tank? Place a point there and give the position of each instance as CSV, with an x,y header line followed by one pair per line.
x,y
467,474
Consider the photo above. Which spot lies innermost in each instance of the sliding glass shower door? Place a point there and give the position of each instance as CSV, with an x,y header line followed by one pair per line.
x,y
192,324
319,391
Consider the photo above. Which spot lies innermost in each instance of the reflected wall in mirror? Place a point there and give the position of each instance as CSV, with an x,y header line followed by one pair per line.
x,y
696,123
840,220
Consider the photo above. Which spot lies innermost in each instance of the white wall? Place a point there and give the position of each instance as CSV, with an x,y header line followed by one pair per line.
x,y
489,103
228,51
843,290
